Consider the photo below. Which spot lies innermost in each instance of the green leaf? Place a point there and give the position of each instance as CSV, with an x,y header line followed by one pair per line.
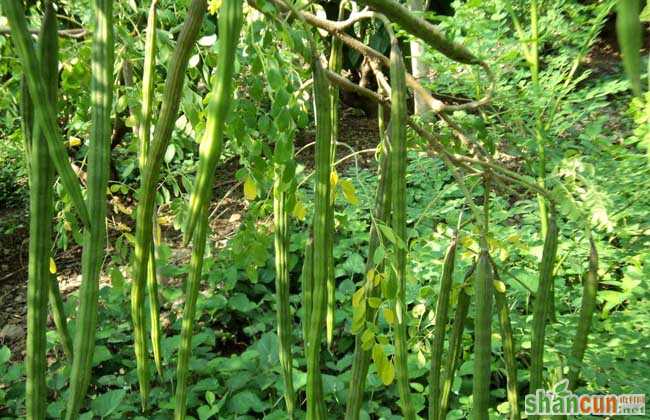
x,y
101,354
5,355
246,401
170,153
106,403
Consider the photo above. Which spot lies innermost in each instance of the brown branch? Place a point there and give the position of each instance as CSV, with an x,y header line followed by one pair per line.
x,y
423,30
333,28
67,33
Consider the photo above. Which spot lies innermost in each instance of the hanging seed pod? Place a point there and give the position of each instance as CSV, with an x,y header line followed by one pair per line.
x,y
483,290
540,304
322,112
189,313
628,29
455,345
398,220
361,358
41,181
144,130
58,316
101,93
230,21
590,288
508,343
282,283
437,344
335,63
307,284
147,192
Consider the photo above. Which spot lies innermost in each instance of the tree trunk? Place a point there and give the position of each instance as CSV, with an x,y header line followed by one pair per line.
x,y
418,67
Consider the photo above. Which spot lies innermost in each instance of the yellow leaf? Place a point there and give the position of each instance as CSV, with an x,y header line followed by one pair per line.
x,y
74,141
374,302
52,266
214,6
389,316
358,296
67,226
334,178
378,278
299,211
500,286
387,373
371,275
250,189
349,192
358,319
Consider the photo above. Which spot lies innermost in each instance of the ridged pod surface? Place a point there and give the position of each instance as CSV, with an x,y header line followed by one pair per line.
x,y
437,344
147,192
398,220
283,308
40,225
587,308
508,344
483,293
322,112
189,312
628,29
230,22
455,346
144,129
335,63
94,238
361,358
540,305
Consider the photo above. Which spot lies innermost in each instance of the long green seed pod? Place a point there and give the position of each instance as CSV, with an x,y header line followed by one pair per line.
x,y
335,63
628,29
154,310
587,308
189,313
230,21
58,316
361,358
315,403
483,287
99,155
507,342
398,219
148,78
437,344
540,304
283,309
147,192
44,110
27,120
40,229
144,130
455,344
307,283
